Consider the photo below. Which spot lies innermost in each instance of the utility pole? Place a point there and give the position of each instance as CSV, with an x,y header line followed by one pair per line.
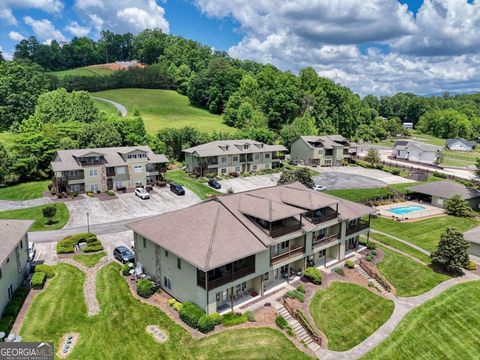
x,y
88,222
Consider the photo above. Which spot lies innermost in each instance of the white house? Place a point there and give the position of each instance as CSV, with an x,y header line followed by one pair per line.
x,y
408,125
417,152
460,144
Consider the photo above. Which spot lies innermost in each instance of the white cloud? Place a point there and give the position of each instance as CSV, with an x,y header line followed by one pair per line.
x,y
15,36
6,55
6,15
123,15
76,29
7,7
44,29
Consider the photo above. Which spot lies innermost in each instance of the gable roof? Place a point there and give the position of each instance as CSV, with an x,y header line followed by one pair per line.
x,y
446,189
232,147
66,160
12,231
406,144
217,232
473,235
327,141
450,142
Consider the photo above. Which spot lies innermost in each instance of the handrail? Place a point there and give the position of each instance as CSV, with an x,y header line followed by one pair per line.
x,y
287,254
300,317
325,240
375,275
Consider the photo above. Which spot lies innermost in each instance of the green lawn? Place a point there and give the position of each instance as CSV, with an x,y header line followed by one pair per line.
x,y
83,71
446,327
360,195
89,260
35,213
165,108
400,246
429,139
423,233
119,330
348,314
106,107
460,158
181,178
407,276
24,191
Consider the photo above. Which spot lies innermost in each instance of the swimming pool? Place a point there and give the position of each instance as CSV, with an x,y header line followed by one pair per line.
x,y
402,210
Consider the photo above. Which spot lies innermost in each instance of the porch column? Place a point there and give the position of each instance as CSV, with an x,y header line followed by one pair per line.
x,y
261,286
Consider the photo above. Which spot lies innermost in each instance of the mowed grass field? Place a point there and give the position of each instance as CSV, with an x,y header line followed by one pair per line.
x,y
118,331
165,109
24,191
446,327
35,213
83,71
106,107
348,314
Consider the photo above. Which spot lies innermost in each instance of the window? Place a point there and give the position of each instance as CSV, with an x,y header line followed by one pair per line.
x,y
267,166
235,158
166,253
144,242
257,157
10,291
118,184
0,273
237,169
245,147
120,170
223,171
322,253
265,276
21,244
138,182
167,283
267,156
224,159
137,168
254,167
93,172
179,263
94,187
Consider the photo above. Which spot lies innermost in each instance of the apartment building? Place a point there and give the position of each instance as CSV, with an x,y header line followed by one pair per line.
x,y
103,169
14,262
235,248
328,150
233,156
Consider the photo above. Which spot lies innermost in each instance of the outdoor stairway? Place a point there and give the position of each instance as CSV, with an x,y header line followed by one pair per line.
x,y
301,334
362,272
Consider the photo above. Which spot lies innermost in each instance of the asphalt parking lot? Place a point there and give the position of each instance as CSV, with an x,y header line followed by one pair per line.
x,y
249,183
126,206
336,180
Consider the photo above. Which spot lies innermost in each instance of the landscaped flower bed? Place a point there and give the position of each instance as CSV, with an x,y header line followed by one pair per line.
x,y
68,244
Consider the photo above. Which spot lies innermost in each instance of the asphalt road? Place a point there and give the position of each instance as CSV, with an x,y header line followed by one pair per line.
x,y
123,110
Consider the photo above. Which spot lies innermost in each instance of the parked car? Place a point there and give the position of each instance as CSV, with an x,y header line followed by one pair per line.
x,y
177,189
142,193
293,162
31,251
123,254
214,184
319,188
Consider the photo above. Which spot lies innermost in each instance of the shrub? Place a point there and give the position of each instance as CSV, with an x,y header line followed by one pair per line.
x,y
369,258
295,294
290,331
250,315
379,166
172,302
340,271
93,247
313,274
206,324
395,171
440,175
191,314
371,245
111,193
13,308
38,279
145,288
217,318
281,322
349,264
177,306
47,269
301,288
65,246
6,324
232,319
125,270
471,266
373,252
457,206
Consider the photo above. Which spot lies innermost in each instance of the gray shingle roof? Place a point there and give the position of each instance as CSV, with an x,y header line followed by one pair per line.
x,y
231,147
65,160
405,144
328,141
449,142
473,235
446,190
218,231
12,231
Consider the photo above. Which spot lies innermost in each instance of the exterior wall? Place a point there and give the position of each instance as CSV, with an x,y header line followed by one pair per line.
x,y
439,202
227,164
416,155
475,203
459,146
13,271
474,249
301,151
95,179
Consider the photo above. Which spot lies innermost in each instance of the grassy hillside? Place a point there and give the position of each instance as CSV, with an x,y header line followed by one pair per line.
x,y
106,107
165,108
84,71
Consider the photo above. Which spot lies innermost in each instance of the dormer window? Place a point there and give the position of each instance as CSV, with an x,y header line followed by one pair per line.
x,y
245,147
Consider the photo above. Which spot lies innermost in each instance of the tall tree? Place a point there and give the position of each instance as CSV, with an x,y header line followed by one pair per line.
x,y
452,251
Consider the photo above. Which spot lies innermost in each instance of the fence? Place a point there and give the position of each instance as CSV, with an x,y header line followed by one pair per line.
x,y
300,317
374,274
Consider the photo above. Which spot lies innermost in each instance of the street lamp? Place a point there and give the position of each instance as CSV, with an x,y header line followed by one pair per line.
x,y
88,222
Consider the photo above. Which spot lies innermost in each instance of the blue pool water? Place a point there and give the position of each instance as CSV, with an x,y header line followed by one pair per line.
x,y
406,209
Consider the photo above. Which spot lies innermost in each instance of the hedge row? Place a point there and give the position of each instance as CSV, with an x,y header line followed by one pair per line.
x,y
47,269
38,280
66,245
12,309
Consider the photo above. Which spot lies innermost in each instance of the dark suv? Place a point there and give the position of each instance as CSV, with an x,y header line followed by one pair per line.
x,y
123,254
177,189
214,184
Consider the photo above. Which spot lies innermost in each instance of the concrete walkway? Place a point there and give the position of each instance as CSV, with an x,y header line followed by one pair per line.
x,y
22,204
402,241
403,305
122,109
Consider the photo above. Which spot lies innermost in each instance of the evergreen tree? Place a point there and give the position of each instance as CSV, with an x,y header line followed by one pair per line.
x,y
452,251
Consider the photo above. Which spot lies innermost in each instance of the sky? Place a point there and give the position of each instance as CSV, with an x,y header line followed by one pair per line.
x,y
372,46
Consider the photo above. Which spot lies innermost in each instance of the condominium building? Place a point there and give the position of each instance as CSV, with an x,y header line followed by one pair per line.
x,y
107,168
328,150
235,248
233,156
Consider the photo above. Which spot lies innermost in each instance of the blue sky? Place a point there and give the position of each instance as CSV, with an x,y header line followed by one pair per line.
x,y
379,46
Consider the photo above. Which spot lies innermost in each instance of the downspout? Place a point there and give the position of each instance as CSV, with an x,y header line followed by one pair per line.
x,y
206,288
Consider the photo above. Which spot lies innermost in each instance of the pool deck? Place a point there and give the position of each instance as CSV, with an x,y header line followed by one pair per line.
x,y
428,211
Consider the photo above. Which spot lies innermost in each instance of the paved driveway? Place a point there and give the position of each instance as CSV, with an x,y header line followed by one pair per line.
x,y
126,206
337,180
111,241
249,183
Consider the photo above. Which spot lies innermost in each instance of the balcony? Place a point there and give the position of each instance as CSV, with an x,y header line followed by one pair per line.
x,y
359,226
92,162
72,176
287,255
325,240
228,278
285,228
278,156
110,171
322,218
156,168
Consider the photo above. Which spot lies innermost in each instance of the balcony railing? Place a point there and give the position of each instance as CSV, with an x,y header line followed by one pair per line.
x,y
323,218
73,177
284,229
287,255
92,162
228,278
325,240
359,226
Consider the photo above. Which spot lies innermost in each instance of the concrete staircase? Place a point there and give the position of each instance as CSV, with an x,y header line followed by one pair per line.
x,y
379,286
301,334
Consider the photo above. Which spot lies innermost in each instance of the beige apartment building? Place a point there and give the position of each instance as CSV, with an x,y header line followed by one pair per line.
x,y
236,248
107,168
328,150
14,262
233,156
